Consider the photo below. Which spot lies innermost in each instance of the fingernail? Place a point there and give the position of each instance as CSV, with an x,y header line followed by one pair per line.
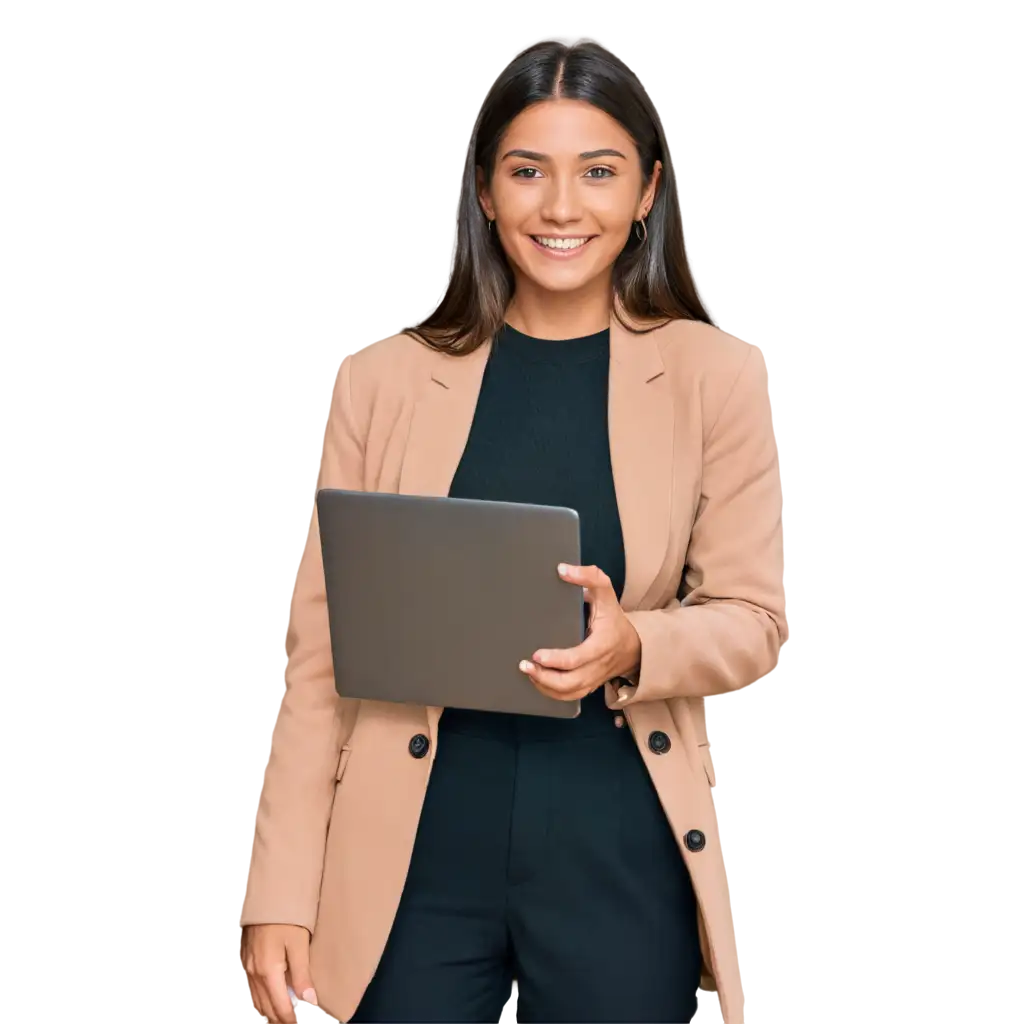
x,y
563,568
525,665
310,997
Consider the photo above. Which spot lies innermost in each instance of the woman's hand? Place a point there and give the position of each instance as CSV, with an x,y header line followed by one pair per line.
x,y
611,647
276,958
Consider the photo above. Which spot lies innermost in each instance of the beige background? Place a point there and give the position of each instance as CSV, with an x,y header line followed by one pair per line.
x,y
206,205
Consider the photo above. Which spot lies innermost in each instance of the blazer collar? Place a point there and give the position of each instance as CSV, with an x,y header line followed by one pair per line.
x,y
639,355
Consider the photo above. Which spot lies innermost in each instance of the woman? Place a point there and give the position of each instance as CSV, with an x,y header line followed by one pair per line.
x,y
435,857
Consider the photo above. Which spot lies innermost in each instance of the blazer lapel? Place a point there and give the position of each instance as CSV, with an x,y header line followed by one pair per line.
x,y
640,431
441,420
437,437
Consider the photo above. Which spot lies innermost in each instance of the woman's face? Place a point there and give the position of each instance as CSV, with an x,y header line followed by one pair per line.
x,y
565,173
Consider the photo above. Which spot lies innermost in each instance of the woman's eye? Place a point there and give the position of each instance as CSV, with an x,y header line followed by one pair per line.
x,y
519,173
610,173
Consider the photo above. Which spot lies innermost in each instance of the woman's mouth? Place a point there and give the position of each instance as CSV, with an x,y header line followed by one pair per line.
x,y
561,248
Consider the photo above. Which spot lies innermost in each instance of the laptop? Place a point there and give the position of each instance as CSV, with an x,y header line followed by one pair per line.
x,y
436,600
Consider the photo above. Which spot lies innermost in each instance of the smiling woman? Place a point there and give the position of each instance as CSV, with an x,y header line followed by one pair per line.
x,y
568,195
437,854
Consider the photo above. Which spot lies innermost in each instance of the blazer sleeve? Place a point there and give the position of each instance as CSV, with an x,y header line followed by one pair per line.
x,y
728,627
313,721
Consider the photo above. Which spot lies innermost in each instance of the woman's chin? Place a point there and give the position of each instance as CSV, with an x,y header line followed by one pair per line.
x,y
564,280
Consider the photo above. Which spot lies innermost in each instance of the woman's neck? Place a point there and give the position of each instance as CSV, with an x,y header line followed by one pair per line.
x,y
546,314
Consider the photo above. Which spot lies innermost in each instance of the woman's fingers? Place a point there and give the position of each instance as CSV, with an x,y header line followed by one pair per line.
x,y
562,685
280,1002
259,1001
298,975
261,997
563,694
268,951
593,578
552,673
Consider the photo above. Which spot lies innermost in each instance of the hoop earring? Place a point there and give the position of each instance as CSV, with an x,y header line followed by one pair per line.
x,y
489,223
643,224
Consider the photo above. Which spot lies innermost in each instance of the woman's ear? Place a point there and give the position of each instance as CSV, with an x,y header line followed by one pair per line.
x,y
651,191
483,196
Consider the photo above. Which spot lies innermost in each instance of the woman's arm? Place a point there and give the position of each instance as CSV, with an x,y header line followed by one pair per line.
x,y
313,722
728,628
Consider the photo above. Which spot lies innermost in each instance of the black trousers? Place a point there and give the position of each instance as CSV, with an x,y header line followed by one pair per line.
x,y
542,854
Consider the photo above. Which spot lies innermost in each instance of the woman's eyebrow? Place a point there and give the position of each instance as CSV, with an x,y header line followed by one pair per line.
x,y
541,158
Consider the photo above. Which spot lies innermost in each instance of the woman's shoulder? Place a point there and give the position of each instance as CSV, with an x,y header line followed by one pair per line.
x,y
385,377
396,362
394,351
703,348
714,364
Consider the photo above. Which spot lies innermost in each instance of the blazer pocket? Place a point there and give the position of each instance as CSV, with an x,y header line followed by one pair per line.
x,y
346,750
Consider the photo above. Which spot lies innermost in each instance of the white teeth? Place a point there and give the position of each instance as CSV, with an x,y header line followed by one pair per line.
x,y
561,243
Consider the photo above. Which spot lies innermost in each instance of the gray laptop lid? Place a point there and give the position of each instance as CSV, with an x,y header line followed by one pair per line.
x,y
435,600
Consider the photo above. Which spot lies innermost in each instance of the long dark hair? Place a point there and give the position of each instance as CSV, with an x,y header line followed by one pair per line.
x,y
650,280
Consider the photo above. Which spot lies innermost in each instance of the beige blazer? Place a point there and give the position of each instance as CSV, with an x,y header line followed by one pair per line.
x,y
697,481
